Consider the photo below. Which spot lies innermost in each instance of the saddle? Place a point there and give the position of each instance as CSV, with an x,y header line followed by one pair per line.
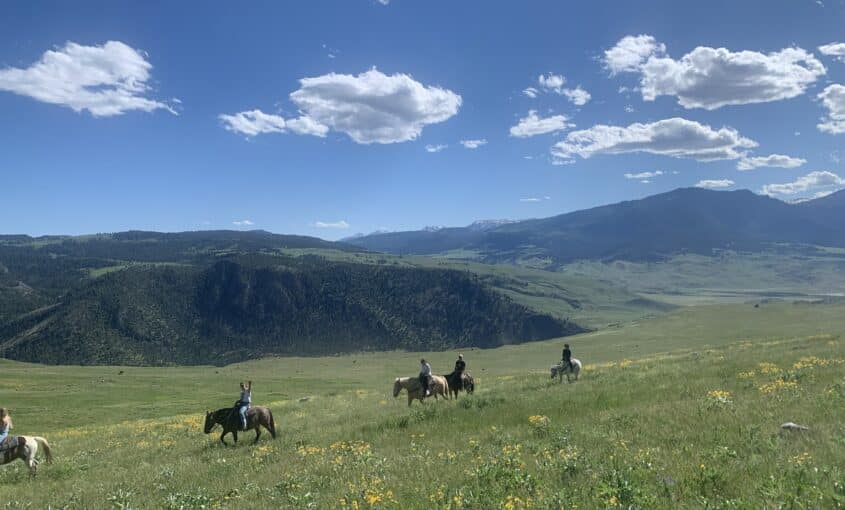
x,y
11,442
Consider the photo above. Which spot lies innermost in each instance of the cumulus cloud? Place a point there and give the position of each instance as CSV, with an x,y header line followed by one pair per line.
x,y
242,223
373,107
814,181
533,125
474,144
711,78
675,137
105,80
772,160
531,200
435,148
555,83
331,224
835,50
577,96
631,52
645,177
833,98
714,183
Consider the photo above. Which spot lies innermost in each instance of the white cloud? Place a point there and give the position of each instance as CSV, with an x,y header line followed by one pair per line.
x,y
675,137
835,50
711,78
813,181
772,160
631,52
644,176
629,109
335,224
533,125
242,223
253,122
383,2
714,183
555,83
474,144
435,148
534,199
833,98
256,122
577,96
531,92
373,107
105,80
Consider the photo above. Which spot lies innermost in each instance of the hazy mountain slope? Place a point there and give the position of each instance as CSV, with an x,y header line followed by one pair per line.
x,y
689,220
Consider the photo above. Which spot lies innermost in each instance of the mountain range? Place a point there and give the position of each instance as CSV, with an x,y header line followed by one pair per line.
x,y
687,220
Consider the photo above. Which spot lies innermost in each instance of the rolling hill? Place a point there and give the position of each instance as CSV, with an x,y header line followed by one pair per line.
x,y
688,220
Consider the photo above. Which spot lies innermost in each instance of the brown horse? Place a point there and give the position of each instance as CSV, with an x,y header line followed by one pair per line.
x,y
256,417
462,382
26,449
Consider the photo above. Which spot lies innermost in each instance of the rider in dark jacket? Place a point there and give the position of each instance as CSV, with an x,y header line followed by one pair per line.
x,y
567,357
460,365
460,368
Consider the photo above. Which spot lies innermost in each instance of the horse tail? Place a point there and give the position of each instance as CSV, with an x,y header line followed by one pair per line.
x,y
272,424
43,444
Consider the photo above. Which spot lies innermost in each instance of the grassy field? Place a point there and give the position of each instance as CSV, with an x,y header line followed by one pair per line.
x,y
679,411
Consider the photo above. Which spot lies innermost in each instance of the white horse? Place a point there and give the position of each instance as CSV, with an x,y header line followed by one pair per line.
x,y
439,386
26,448
559,369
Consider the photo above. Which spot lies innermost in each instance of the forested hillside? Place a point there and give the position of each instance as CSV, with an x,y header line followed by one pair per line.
x,y
252,305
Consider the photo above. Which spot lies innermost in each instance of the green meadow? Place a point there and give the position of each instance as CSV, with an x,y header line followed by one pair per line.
x,y
680,411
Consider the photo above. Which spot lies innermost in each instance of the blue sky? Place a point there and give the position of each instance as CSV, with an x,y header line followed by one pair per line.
x,y
315,117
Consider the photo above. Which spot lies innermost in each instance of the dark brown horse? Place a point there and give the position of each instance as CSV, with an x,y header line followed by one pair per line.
x,y
458,382
228,418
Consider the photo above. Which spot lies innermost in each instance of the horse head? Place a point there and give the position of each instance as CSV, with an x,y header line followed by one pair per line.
x,y
397,387
553,371
210,422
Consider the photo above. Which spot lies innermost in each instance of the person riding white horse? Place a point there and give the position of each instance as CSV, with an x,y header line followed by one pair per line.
x,y
5,427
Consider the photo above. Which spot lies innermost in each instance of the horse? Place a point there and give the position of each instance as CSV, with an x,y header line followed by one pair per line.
x,y
230,420
558,370
415,390
25,448
465,382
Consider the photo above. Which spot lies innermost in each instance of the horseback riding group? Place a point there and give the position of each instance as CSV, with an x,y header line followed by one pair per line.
x,y
427,384
243,416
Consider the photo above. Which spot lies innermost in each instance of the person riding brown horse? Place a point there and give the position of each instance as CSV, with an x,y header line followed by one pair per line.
x,y
229,418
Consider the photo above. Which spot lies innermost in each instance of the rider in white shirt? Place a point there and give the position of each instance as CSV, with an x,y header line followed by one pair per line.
x,y
425,376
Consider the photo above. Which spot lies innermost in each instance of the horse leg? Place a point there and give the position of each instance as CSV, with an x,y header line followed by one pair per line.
x,y
257,433
222,436
235,435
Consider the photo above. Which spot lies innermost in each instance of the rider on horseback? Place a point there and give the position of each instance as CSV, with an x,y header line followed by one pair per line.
x,y
460,368
5,426
567,357
244,402
425,376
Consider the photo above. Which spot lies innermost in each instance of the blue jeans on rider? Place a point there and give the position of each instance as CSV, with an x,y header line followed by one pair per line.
x,y
242,411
